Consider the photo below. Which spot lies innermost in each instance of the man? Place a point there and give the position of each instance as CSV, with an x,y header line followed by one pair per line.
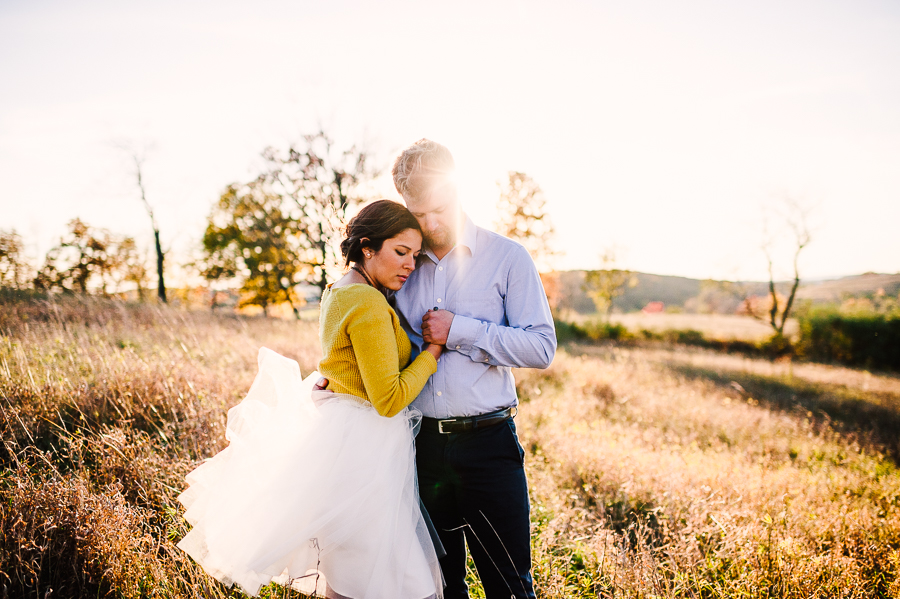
x,y
483,300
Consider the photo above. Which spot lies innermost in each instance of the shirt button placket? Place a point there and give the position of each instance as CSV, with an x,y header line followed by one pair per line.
x,y
440,290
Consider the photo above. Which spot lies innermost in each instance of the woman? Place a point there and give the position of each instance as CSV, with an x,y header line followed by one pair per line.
x,y
317,487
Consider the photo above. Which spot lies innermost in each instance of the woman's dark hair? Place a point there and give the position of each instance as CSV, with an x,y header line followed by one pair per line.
x,y
376,222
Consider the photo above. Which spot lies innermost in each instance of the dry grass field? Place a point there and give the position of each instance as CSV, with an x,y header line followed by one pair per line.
x,y
655,472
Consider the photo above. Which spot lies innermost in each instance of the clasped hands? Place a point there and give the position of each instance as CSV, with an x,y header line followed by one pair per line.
x,y
436,326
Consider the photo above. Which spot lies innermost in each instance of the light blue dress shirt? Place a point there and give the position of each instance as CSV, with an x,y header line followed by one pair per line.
x,y
501,321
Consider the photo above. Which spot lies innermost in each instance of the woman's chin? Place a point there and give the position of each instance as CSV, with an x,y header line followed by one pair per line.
x,y
394,285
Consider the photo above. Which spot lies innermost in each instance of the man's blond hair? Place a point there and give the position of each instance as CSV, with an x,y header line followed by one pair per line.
x,y
420,166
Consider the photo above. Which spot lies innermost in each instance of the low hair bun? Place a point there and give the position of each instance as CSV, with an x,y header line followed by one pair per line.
x,y
375,223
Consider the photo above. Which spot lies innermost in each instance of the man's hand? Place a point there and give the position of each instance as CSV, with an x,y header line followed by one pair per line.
x,y
436,326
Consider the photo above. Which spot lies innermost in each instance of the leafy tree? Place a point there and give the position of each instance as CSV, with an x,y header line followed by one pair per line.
x,y
252,235
321,184
86,258
129,265
605,285
13,265
522,216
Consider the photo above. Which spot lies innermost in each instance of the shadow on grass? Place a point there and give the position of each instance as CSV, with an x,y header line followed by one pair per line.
x,y
872,418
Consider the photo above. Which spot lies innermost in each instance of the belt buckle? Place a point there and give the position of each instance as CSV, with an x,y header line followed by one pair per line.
x,y
441,426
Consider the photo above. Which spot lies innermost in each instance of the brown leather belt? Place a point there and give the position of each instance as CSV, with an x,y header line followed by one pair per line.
x,y
446,426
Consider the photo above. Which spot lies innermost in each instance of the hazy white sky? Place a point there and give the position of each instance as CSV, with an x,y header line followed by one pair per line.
x,y
657,127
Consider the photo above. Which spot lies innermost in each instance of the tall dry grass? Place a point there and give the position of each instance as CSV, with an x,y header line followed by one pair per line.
x,y
653,481
653,473
103,410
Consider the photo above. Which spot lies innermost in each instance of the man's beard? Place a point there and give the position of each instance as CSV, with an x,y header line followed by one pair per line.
x,y
440,238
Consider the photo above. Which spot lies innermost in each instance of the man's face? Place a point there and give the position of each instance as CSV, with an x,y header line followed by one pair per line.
x,y
438,215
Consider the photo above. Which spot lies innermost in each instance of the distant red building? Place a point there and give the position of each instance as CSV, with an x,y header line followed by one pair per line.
x,y
654,308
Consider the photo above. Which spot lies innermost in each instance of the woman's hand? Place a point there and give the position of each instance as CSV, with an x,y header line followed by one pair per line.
x,y
435,350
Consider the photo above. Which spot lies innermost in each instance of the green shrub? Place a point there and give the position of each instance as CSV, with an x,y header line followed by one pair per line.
x,y
863,339
599,330
776,346
595,331
569,331
684,336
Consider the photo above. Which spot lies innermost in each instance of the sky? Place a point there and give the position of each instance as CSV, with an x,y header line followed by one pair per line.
x,y
664,130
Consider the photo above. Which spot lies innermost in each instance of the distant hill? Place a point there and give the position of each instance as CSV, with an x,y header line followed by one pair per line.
x,y
689,294
858,285
673,291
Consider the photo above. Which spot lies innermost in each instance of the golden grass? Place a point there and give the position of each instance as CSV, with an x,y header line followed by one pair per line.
x,y
103,410
661,484
654,472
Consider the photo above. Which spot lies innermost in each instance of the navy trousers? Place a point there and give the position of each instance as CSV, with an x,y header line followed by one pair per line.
x,y
473,486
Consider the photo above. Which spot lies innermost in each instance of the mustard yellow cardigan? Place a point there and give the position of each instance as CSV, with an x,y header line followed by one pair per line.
x,y
366,351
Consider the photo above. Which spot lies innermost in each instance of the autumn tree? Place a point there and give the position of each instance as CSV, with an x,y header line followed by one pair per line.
x,y
252,235
14,267
522,216
128,265
605,285
321,184
85,259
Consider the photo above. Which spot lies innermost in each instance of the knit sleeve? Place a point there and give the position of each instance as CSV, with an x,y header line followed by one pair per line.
x,y
374,344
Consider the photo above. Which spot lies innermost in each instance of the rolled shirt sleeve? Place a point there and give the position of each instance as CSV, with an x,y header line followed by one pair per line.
x,y
527,340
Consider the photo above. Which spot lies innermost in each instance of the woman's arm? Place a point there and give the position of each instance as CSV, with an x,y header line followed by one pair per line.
x,y
372,337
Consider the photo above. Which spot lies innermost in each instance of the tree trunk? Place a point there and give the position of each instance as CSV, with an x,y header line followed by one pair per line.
x,y
323,248
773,313
161,282
287,295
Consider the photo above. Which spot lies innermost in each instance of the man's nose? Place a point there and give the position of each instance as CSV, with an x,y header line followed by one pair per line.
x,y
430,223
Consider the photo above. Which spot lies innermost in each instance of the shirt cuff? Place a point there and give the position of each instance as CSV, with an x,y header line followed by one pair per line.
x,y
463,333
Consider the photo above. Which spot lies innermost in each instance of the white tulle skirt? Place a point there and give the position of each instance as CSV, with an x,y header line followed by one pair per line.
x,y
316,491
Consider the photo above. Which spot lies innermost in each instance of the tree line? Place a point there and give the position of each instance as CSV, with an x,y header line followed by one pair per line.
x,y
264,237
267,236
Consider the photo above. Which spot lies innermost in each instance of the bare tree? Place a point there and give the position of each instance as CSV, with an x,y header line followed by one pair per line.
x,y
323,184
137,156
791,220
160,255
